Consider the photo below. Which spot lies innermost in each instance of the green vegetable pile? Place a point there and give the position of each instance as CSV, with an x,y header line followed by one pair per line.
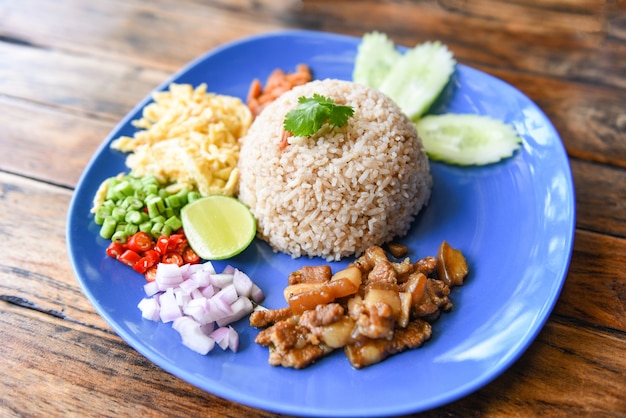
x,y
130,204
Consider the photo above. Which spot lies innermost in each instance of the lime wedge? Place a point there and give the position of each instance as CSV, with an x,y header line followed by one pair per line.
x,y
218,227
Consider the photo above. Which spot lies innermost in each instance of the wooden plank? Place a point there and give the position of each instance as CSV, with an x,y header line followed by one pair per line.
x,y
156,34
32,134
99,370
595,284
99,365
37,267
73,82
565,44
560,48
601,212
588,118
541,382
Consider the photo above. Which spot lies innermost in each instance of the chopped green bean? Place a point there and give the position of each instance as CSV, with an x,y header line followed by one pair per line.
x,y
174,222
131,229
140,204
157,219
101,214
151,189
172,201
118,214
166,230
156,230
108,227
192,196
120,237
146,226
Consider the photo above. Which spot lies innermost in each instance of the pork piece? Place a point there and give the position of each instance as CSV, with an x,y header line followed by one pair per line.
x,y
322,315
397,250
403,270
372,320
370,351
310,274
383,272
434,301
289,344
266,317
328,325
370,257
426,265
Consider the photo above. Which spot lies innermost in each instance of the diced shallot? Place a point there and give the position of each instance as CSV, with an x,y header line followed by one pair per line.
x,y
228,294
221,280
151,288
200,303
226,337
168,275
242,283
240,308
192,335
257,294
149,308
169,307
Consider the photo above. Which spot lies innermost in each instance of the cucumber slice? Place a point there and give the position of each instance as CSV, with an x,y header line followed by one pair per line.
x,y
376,55
418,77
464,139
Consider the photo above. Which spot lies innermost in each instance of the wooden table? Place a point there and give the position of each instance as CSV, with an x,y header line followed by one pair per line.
x,y
70,70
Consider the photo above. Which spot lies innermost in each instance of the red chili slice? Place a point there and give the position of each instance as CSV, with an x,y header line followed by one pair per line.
x,y
140,242
172,258
143,264
115,249
162,244
129,257
150,274
190,256
177,242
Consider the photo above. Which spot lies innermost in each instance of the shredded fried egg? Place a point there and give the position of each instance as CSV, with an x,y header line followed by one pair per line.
x,y
189,138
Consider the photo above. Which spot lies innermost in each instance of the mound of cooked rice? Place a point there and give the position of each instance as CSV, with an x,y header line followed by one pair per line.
x,y
341,190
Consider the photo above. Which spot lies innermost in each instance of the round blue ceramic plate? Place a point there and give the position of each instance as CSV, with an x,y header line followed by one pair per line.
x,y
513,220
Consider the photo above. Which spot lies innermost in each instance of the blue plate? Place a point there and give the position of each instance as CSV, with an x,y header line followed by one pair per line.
x,y
513,220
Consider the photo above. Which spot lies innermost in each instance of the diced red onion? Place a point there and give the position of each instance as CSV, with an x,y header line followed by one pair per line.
x,y
240,308
229,269
233,339
192,335
228,294
220,335
242,283
151,288
257,294
169,307
189,285
221,280
149,308
182,297
168,275
208,291
200,303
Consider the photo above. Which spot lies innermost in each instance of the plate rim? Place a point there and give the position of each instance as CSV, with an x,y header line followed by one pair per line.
x,y
256,402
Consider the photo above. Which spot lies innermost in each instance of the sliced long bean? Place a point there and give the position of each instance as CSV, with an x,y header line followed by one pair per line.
x,y
132,204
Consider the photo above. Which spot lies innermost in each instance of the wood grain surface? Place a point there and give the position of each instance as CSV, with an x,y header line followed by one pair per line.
x,y
71,69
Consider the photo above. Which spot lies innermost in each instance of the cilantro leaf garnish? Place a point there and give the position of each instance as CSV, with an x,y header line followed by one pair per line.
x,y
312,112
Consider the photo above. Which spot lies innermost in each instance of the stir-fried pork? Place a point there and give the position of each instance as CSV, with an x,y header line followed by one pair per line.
x,y
372,309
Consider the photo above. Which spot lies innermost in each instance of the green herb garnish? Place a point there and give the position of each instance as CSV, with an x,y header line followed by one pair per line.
x,y
313,112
